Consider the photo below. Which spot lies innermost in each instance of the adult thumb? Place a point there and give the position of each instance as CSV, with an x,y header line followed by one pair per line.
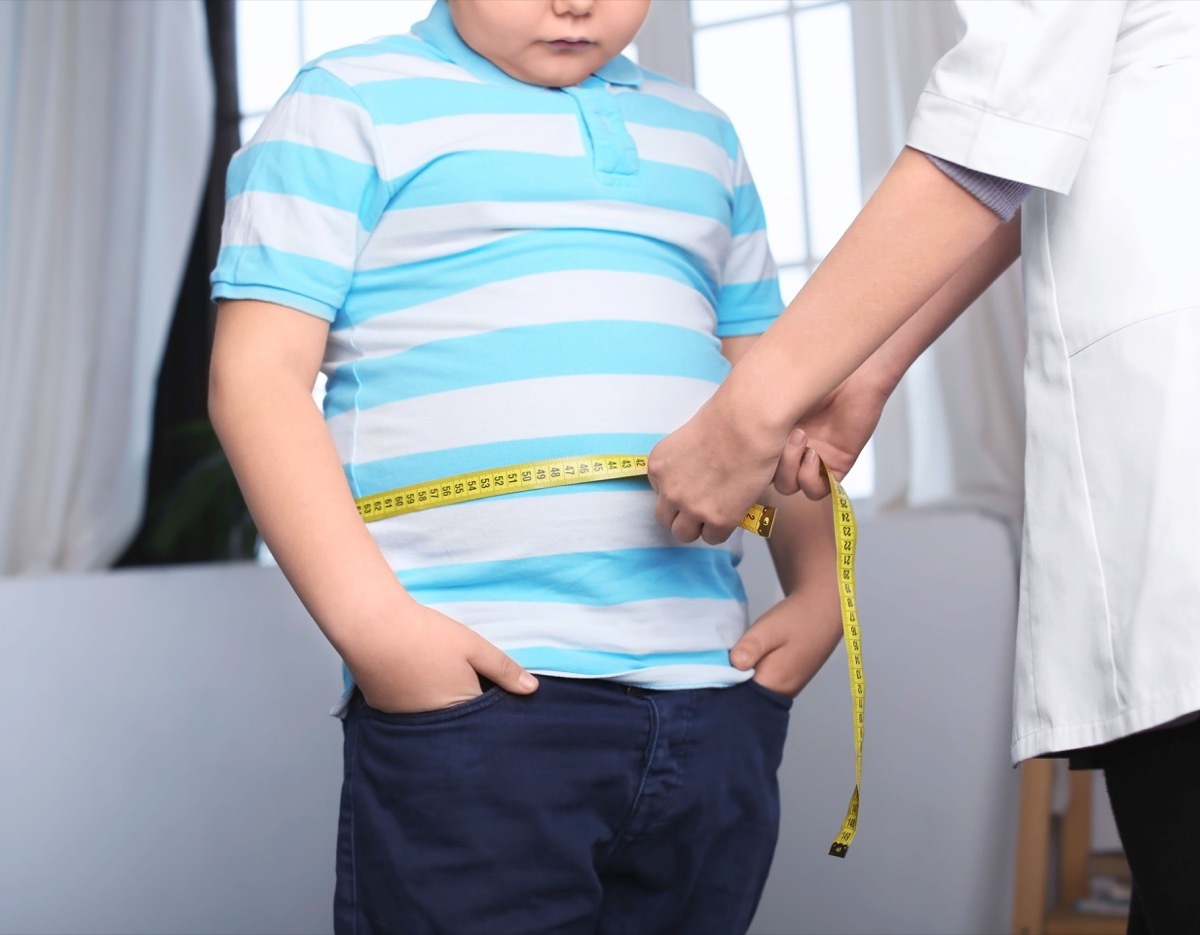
x,y
787,472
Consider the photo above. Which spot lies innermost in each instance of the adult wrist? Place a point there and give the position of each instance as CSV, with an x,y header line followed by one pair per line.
x,y
882,372
752,409
754,397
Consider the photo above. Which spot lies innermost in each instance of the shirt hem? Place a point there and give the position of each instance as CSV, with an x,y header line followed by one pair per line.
x,y
1067,737
749,327
624,678
294,300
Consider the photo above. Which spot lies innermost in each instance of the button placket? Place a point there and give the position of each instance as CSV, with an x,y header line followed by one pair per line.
x,y
613,151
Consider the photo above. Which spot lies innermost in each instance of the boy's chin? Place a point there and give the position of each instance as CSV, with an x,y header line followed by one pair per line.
x,y
554,74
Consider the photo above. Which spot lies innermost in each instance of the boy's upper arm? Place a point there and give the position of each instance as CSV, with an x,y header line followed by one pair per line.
x,y
268,339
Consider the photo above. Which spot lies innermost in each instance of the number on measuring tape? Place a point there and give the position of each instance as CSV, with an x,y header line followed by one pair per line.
x,y
518,478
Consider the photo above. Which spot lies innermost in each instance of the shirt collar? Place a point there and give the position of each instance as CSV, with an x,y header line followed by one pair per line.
x,y
438,30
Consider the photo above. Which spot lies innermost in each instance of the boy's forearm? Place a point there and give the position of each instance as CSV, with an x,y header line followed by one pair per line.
x,y
292,479
914,233
802,545
804,553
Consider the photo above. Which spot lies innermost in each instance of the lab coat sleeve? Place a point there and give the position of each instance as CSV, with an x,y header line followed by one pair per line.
x,y
1018,95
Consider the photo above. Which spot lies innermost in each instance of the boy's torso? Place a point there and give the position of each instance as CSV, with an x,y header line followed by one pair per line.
x,y
543,281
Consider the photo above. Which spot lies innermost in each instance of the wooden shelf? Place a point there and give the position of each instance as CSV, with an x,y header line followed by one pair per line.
x,y
1071,922
1031,914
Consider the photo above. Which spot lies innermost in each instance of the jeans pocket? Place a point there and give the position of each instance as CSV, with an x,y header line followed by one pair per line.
x,y
777,698
475,705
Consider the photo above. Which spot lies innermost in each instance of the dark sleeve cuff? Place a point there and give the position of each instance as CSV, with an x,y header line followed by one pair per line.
x,y
1002,196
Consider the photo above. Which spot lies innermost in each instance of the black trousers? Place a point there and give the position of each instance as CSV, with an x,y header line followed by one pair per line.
x,y
1153,781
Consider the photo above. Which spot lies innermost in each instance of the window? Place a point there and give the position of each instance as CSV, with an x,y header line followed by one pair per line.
x,y
276,37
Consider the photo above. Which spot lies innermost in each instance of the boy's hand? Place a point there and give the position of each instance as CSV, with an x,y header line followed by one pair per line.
x,y
425,661
790,642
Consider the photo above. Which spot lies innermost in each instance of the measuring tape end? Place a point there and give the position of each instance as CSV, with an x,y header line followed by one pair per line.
x,y
838,850
759,520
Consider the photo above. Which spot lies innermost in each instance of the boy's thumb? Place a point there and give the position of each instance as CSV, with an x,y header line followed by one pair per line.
x,y
500,668
755,643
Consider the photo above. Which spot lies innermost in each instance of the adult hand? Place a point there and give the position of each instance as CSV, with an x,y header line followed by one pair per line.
x,y
710,471
425,661
837,429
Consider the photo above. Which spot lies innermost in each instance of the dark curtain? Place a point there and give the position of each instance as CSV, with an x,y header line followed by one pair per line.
x,y
193,511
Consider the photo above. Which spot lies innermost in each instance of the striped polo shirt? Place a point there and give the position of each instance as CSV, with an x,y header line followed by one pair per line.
x,y
513,273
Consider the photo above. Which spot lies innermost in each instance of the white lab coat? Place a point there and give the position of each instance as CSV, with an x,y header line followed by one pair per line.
x,y
1096,103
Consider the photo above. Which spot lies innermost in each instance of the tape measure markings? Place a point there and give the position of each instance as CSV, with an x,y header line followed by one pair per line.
x,y
520,478
845,532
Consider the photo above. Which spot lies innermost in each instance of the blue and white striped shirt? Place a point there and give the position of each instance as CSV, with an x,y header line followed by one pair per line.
x,y
513,273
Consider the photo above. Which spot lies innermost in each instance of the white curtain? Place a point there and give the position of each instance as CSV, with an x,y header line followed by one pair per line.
x,y
106,117
953,433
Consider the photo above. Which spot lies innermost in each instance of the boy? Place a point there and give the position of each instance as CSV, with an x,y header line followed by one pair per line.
x,y
504,242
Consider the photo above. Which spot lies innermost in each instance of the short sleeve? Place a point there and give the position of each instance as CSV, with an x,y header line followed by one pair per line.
x,y
748,300
301,197
1018,96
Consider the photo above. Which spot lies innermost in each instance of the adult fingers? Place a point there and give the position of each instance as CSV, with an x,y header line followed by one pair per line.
x,y
811,478
685,528
787,472
715,534
664,512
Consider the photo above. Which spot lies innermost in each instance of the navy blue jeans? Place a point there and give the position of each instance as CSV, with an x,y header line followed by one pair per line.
x,y
587,807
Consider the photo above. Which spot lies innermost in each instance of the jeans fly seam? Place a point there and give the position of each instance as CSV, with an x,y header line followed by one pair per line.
x,y
652,709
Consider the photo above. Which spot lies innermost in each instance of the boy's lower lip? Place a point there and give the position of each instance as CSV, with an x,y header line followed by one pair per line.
x,y
569,44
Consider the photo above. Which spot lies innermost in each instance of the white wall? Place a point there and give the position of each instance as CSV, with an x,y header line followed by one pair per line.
x,y
167,764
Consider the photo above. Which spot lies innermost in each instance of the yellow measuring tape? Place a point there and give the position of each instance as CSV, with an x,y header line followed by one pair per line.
x,y
517,478
759,519
845,533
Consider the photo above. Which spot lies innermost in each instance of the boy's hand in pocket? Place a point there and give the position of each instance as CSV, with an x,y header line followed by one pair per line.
x,y
425,661
788,644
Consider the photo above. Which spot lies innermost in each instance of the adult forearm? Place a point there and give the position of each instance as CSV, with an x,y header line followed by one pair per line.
x,y
887,365
291,476
912,236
